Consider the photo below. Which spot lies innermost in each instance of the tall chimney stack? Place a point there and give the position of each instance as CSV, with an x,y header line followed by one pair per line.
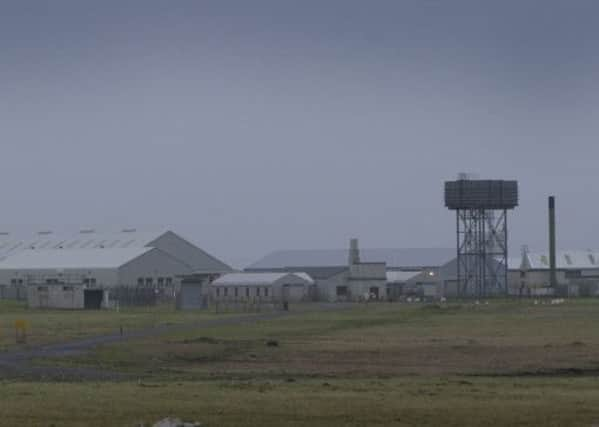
x,y
354,252
552,255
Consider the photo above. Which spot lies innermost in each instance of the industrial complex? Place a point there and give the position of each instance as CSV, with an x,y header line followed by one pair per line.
x,y
92,269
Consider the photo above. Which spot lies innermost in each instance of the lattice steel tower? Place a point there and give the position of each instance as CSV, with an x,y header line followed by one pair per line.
x,y
482,234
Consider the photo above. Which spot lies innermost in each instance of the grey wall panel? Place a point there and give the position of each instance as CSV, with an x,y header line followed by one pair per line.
x,y
153,264
104,277
194,257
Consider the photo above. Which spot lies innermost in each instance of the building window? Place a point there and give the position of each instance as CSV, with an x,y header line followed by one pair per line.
x,y
265,292
92,281
342,291
257,291
67,288
247,292
218,292
149,281
169,281
161,282
20,281
13,281
236,292
42,288
522,274
226,292
140,281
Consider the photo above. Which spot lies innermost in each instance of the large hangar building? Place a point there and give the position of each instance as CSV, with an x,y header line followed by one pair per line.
x,y
85,269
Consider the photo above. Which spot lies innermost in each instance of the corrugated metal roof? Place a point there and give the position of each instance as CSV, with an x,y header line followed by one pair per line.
x,y
10,245
565,260
71,259
241,279
304,276
187,253
318,273
117,240
395,258
401,276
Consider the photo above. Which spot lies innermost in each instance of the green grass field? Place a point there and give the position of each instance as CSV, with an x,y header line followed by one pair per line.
x,y
506,363
313,402
51,326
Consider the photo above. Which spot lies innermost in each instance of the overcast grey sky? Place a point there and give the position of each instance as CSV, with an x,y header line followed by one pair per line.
x,y
250,126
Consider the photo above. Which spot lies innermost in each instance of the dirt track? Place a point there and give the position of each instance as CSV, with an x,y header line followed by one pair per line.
x,y
18,363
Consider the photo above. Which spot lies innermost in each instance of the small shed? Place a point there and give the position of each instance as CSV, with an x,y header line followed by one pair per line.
x,y
261,287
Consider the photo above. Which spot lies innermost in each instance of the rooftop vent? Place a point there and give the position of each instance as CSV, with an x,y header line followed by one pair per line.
x,y
129,230
87,231
44,232
4,233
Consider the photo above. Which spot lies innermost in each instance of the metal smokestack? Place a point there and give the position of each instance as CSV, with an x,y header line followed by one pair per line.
x,y
552,255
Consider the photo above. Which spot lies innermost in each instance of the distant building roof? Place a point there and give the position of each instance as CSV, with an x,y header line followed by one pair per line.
x,y
318,273
514,263
71,259
304,276
401,276
395,258
85,239
166,240
565,260
248,279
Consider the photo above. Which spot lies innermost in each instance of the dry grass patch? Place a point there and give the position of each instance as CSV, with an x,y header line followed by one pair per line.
x,y
366,402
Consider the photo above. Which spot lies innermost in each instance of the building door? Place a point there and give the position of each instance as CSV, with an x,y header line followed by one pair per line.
x,y
44,298
374,292
92,299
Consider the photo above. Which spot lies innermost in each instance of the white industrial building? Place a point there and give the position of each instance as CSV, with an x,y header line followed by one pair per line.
x,y
367,273
577,273
350,275
61,271
262,287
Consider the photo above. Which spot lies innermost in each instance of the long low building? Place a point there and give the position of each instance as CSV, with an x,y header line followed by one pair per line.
x,y
577,273
70,272
262,287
